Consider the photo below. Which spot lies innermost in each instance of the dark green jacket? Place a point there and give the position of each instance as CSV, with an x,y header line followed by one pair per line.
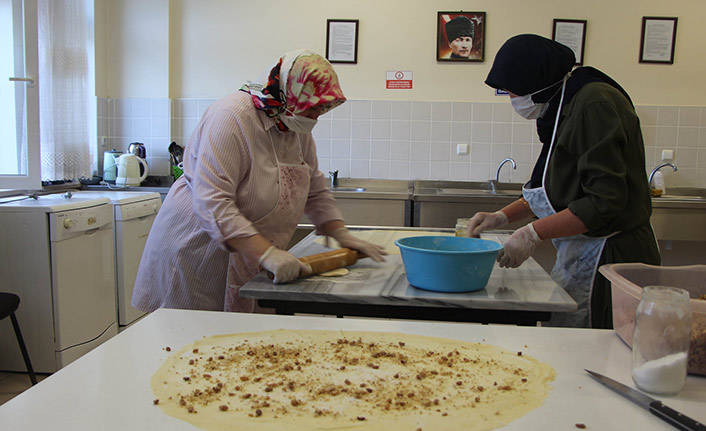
x,y
597,170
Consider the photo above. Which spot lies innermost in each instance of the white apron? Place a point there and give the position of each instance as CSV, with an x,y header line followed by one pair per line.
x,y
576,257
277,226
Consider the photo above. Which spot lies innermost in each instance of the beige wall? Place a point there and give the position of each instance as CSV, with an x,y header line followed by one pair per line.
x,y
208,48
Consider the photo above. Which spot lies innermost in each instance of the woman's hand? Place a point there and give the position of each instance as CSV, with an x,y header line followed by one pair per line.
x,y
284,265
519,247
482,221
346,239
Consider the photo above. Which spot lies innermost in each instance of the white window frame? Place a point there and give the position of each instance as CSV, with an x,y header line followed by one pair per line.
x,y
32,180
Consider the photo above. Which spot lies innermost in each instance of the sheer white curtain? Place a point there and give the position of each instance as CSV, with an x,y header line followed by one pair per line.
x,y
64,90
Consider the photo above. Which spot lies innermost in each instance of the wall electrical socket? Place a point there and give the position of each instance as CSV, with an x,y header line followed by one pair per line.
x,y
461,149
104,141
667,155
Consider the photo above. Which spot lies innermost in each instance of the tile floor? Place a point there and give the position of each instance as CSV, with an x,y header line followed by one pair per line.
x,y
13,384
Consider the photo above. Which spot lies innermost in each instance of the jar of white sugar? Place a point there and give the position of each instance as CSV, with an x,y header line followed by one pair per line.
x,y
661,340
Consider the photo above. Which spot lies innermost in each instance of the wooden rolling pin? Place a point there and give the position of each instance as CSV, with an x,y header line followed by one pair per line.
x,y
330,260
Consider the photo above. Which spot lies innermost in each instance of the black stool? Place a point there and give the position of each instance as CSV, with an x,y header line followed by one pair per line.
x,y
8,305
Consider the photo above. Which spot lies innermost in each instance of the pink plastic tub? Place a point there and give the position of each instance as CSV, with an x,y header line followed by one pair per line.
x,y
627,281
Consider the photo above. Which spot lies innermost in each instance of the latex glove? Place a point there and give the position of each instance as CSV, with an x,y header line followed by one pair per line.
x,y
519,247
346,239
284,265
482,221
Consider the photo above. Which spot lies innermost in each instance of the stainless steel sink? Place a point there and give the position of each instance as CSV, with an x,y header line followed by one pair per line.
x,y
680,197
348,189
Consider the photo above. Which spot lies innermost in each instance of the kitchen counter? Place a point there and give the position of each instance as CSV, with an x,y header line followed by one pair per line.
x,y
109,388
523,295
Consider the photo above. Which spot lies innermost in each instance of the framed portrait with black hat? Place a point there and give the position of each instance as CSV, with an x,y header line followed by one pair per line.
x,y
460,36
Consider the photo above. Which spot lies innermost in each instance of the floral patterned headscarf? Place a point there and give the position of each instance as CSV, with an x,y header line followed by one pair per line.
x,y
309,80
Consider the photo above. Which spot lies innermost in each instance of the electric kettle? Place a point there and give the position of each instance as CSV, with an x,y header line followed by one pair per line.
x,y
110,168
129,170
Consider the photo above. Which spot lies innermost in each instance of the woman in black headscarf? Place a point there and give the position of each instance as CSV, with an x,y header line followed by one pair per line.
x,y
588,187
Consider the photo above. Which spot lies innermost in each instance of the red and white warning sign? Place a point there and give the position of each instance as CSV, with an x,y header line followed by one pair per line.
x,y
399,80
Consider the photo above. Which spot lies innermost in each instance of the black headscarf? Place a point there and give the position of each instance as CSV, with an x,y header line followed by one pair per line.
x,y
527,63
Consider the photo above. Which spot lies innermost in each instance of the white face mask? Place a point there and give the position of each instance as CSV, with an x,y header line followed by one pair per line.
x,y
298,123
525,106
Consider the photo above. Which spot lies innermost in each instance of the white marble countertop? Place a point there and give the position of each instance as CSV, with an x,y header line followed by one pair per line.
x,y
109,388
527,288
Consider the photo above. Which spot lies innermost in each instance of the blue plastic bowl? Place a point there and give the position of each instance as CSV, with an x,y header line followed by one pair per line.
x,y
448,263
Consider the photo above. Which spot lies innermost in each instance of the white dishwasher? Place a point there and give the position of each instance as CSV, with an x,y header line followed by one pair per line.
x,y
57,254
134,213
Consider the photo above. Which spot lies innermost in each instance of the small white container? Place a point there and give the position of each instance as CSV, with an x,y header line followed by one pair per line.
x,y
461,226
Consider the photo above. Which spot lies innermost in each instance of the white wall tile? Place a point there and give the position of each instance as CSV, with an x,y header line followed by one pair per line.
x,y
438,170
459,171
419,170
480,152
499,152
441,111
340,148
189,108
400,129
461,131
461,111
381,109
122,108
420,131
648,115
668,116
481,132
360,149
502,133
341,111
401,110
361,109
522,132
323,147
689,115
360,168
688,137
159,108
360,129
399,150
482,112
421,111
399,170
420,150
159,128
502,112
666,137
685,158
441,151
380,169
380,149
322,129
380,129
340,129
441,130
480,172
141,108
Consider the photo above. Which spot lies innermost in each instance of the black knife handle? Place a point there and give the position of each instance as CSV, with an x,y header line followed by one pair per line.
x,y
675,418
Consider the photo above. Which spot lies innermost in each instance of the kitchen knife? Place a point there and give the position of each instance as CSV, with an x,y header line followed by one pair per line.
x,y
655,407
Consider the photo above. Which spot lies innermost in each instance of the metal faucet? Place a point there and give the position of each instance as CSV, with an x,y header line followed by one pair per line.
x,y
658,167
334,178
494,183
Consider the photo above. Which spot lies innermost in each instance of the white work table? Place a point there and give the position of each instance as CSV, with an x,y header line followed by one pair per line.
x,y
109,388
523,295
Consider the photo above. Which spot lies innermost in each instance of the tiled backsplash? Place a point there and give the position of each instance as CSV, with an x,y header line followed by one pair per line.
x,y
410,139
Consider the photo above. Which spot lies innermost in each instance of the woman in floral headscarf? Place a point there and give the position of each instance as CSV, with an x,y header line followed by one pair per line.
x,y
250,172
